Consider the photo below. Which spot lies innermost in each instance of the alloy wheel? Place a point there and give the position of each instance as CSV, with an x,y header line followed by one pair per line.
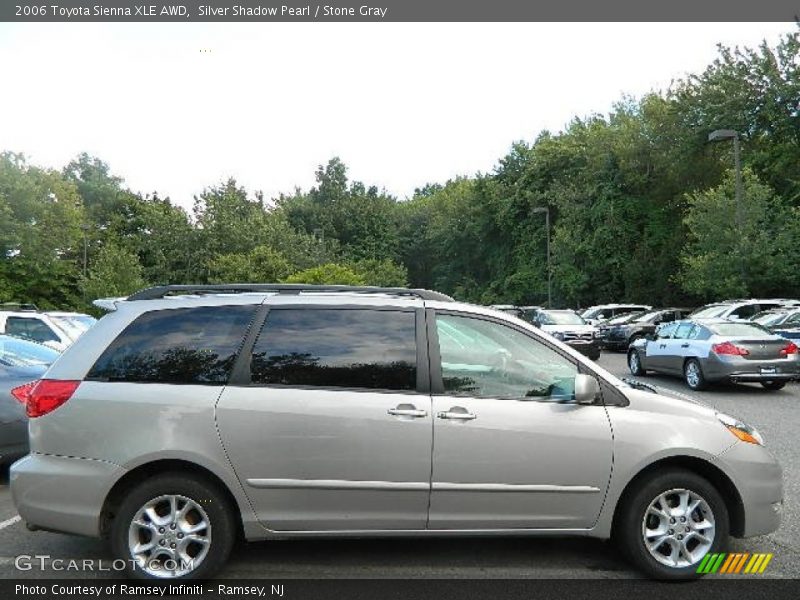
x,y
678,528
169,536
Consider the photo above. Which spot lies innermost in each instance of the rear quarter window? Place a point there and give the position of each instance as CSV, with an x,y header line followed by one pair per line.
x,y
182,345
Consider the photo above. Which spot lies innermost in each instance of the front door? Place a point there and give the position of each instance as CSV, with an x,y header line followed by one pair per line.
x,y
511,449
657,349
332,432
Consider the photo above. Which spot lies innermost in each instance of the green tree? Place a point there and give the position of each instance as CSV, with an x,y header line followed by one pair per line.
x,y
115,272
328,274
724,259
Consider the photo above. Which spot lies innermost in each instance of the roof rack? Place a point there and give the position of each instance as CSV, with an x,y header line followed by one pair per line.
x,y
161,291
20,306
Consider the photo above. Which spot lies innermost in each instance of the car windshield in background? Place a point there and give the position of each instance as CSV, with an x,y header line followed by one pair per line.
x,y
626,318
710,312
20,353
769,318
645,317
561,318
738,329
74,324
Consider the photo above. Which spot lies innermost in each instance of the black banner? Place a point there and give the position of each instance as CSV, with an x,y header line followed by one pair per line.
x,y
398,10
710,588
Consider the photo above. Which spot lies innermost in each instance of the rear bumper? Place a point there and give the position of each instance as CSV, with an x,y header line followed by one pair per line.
x,y
61,493
735,368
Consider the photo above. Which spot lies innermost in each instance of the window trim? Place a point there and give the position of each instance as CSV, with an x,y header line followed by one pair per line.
x,y
437,382
241,367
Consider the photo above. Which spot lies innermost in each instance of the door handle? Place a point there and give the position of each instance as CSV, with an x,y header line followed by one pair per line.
x,y
684,345
407,410
457,413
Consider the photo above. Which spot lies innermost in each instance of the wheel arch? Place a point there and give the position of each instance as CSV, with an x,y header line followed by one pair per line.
x,y
150,469
713,474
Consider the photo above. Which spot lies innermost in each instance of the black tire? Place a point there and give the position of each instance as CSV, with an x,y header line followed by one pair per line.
x,y
699,383
635,363
212,500
773,385
631,514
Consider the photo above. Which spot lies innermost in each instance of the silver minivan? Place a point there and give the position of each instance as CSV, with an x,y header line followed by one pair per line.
x,y
194,415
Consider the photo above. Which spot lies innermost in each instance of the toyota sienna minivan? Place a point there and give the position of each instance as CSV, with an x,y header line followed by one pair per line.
x,y
191,416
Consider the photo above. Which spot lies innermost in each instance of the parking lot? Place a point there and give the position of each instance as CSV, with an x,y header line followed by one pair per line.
x,y
773,413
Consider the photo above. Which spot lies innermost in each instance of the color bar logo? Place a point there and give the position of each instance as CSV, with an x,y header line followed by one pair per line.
x,y
734,563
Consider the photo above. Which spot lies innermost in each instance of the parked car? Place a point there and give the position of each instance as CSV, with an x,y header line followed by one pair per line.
x,y
618,334
603,312
176,424
20,362
526,313
788,333
569,327
739,310
57,330
708,351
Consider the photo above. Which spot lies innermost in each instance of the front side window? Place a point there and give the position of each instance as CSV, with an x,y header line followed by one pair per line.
x,y
482,358
182,345
746,311
30,328
327,347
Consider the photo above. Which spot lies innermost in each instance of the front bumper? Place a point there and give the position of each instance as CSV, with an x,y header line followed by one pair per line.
x,y
589,349
759,479
62,493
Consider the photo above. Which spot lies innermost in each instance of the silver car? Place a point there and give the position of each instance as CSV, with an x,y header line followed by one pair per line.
x,y
704,351
193,415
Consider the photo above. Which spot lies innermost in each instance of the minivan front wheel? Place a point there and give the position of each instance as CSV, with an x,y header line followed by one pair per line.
x,y
173,527
670,521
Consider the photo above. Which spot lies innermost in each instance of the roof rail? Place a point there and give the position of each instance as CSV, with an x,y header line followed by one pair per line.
x,y
161,291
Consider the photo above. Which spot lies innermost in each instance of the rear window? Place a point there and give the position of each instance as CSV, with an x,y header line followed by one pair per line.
x,y
738,329
20,353
182,345
710,312
348,348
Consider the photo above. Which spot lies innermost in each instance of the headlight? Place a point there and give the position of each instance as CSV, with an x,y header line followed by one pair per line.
x,y
743,431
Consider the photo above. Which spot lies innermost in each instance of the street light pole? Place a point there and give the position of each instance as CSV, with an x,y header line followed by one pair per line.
x,y
546,211
719,135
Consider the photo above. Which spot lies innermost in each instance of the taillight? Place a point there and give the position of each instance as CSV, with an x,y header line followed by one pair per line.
x,y
21,392
790,349
48,394
730,349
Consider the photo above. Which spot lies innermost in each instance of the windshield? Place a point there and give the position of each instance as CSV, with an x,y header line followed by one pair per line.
x,y
645,317
19,353
769,318
738,329
627,317
73,325
566,317
709,312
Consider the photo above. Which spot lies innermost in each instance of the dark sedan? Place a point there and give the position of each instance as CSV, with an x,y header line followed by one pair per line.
x,y
618,334
21,362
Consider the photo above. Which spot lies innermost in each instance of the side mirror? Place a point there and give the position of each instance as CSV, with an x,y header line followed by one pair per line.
x,y
586,389
537,324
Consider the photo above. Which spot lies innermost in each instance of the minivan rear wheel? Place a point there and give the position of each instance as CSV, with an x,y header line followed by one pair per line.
x,y
173,526
670,521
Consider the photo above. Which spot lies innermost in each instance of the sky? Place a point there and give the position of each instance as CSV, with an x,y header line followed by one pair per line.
x,y
175,108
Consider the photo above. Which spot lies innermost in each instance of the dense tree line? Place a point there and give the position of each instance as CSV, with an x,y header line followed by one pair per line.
x,y
642,209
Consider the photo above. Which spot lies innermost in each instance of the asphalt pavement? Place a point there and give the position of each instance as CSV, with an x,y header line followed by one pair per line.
x,y
773,413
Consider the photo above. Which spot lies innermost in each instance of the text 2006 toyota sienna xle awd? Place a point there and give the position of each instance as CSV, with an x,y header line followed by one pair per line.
x,y
193,415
